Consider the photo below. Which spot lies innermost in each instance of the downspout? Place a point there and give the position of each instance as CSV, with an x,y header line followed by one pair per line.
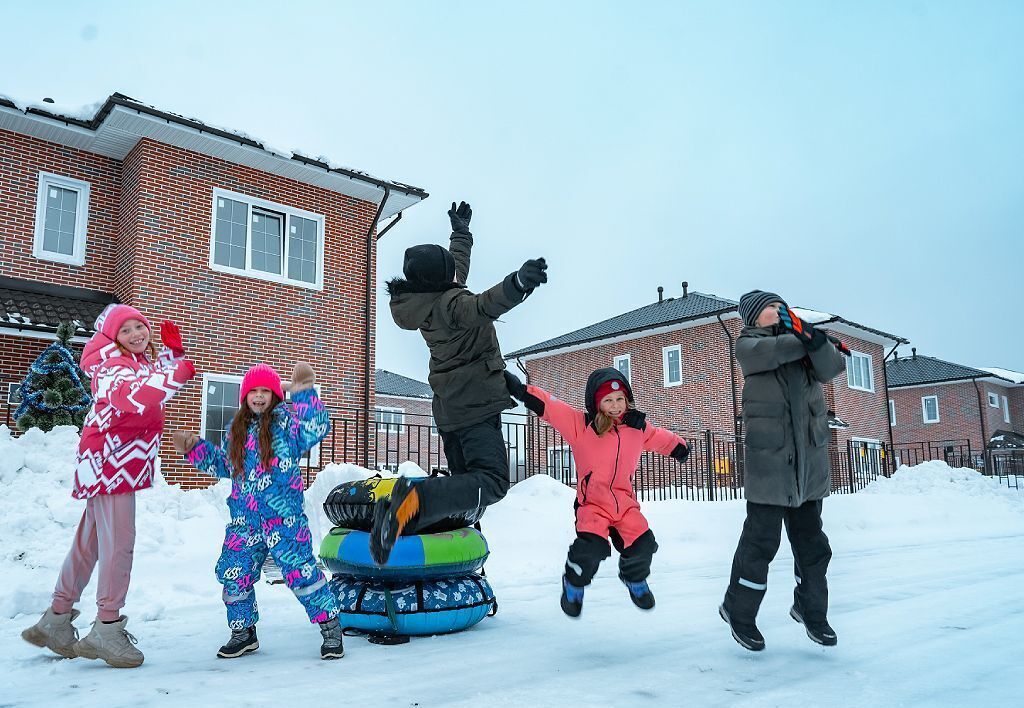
x,y
370,242
732,371
981,419
888,415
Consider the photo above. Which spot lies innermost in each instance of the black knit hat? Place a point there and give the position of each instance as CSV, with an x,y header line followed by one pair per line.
x,y
428,264
753,303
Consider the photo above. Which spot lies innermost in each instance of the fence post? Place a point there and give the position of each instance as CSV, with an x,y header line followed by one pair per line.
x,y
850,462
709,462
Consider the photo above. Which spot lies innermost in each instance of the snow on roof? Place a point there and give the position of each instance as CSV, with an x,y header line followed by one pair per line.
x,y
65,110
813,316
1015,376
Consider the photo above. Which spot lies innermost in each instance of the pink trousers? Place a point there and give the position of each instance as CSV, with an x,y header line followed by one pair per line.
x,y
106,535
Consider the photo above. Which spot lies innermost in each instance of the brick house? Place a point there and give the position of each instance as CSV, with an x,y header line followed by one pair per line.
x,y
941,409
404,423
257,254
677,354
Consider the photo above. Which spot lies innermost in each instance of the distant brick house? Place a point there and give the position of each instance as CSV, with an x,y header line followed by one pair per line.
x,y
678,356
950,410
404,423
258,255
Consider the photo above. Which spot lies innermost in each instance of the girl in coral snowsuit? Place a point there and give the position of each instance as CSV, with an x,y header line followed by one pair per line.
x,y
607,441
261,454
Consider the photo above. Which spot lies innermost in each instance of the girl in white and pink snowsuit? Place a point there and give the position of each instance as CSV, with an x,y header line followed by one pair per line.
x,y
116,458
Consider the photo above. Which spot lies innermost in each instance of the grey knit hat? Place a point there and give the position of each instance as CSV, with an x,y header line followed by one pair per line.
x,y
752,304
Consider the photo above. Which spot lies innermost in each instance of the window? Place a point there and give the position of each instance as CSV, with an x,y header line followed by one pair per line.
x,y
389,420
14,394
1006,410
62,214
892,412
260,239
993,399
859,372
622,364
220,402
671,359
930,408
560,464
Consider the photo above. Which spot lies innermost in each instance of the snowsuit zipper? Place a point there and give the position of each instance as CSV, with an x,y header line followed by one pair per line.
x,y
615,469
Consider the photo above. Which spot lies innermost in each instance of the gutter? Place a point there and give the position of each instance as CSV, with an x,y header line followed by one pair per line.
x,y
367,314
981,420
732,367
885,383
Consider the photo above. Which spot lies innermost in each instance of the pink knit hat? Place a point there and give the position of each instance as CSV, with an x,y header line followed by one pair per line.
x,y
261,375
115,315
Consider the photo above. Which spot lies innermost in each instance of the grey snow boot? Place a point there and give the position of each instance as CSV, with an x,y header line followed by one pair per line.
x,y
55,632
112,643
242,641
332,647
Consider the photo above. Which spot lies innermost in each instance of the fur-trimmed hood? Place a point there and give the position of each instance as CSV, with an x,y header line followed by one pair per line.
x,y
412,303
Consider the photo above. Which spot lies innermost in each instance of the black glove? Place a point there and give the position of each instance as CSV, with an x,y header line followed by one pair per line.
x,y
635,419
460,217
517,389
681,453
803,330
531,274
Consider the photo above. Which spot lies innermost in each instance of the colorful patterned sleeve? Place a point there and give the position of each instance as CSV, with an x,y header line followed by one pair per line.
x,y
312,421
133,392
210,459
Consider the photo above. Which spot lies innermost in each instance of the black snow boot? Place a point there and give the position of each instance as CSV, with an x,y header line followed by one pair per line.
x,y
746,635
572,598
819,632
332,647
243,641
390,517
640,593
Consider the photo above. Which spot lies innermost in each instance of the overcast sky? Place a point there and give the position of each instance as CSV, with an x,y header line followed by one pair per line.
x,y
864,158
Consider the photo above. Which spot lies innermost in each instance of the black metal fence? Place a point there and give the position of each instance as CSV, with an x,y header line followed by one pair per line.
x,y
713,471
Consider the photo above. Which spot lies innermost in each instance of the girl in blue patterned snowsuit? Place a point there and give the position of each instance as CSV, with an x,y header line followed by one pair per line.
x,y
261,454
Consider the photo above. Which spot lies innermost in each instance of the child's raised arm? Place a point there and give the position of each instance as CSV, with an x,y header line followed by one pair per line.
x,y
202,454
133,392
312,421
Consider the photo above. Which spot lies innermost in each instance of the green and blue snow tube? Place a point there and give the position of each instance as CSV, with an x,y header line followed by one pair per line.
x,y
436,555
417,608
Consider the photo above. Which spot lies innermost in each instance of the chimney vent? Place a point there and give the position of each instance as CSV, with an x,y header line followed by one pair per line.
x,y
685,286
47,100
661,293
913,352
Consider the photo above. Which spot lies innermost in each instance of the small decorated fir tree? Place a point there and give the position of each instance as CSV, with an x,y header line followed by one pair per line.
x,y
56,390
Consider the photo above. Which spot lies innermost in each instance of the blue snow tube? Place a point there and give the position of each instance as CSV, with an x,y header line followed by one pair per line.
x,y
418,608
423,556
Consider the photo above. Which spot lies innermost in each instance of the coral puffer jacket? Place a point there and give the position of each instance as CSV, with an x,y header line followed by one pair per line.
x,y
604,464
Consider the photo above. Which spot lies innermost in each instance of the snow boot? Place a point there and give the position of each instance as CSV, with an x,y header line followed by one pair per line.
x,y
639,593
746,635
819,632
242,641
572,598
390,517
55,632
112,643
332,647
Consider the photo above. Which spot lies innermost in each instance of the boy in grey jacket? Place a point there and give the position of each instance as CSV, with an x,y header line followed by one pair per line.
x,y
785,361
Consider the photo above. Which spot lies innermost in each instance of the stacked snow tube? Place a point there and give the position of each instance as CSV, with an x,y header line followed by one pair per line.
x,y
430,584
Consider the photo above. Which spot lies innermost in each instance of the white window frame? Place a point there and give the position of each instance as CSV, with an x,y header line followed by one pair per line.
x,y
47,180
13,389
387,426
288,212
629,365
855,357
664,365
993,399
1006,409
209,378
561,449
892,412
924,410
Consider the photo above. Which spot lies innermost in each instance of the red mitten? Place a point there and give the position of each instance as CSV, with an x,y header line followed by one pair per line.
x,y
170,335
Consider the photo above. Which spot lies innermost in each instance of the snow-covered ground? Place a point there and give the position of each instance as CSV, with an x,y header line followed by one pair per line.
x,y
926,586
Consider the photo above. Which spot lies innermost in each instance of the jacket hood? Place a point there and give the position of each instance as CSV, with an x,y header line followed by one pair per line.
x,y
411,303
599,377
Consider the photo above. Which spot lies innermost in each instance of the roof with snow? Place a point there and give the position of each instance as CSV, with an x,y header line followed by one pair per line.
x,y
29,306
673,311
918,369
391,384
114,126
1009,374
1006,440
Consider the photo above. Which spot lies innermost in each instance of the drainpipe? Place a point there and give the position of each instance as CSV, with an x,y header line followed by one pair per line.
x,y
888,417
981,419
732,371
370,242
